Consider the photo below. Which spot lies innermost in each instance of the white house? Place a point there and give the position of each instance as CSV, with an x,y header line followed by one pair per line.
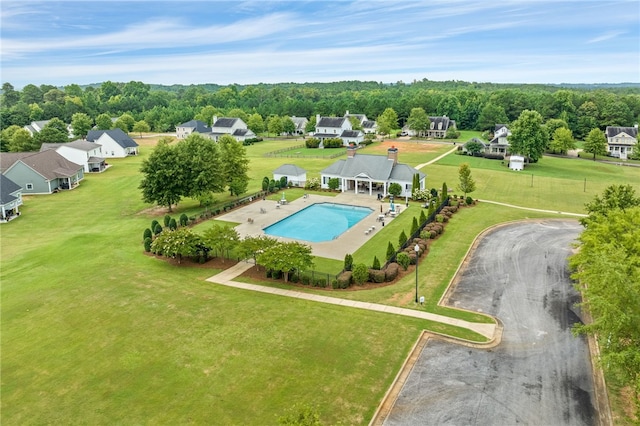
x,y
439,127
297,176
88,154
235,127
194,126
621,141
500,143
301,124
368,126
337,127
366,173
37,126
115,142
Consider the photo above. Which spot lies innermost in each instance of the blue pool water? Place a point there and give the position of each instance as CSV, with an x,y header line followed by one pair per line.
x,y
318,222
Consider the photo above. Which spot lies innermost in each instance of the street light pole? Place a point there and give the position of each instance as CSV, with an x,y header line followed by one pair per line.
x,y
417,249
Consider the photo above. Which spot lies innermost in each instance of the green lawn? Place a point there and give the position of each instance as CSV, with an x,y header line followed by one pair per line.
x,y
94,331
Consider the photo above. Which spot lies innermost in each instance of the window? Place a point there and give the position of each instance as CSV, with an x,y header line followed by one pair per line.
x,y
29,186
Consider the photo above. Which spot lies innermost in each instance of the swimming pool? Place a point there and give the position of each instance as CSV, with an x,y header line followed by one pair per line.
x,y
318,222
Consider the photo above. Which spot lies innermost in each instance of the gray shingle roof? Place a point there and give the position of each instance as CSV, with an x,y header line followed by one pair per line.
x,y
350,133
330,122
119,136
242,132
224,122
7,189
368,124
377,167
196,125
289,170
444,120
613,131
48,163
79,144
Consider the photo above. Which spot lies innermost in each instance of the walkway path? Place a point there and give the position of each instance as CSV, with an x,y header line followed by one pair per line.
x,y
532,209
226,278
454,149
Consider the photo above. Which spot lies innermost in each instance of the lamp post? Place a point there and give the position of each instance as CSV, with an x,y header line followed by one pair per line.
x,y
417,249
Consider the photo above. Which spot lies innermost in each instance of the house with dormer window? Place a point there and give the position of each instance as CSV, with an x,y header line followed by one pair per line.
x,y
337,127
194,126
235,127
439,127
621,141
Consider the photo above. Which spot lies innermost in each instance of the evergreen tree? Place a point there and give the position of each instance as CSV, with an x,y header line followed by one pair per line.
x,y
390,251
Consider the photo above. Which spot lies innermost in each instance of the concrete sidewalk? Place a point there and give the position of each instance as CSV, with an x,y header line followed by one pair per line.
x,y
226,278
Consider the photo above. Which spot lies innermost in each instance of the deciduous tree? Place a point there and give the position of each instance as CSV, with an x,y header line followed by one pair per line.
x,y
221,238
81,124
562,141
528,135
466,184
387,121
163,179
21,141
235,165
141,127
595,143
286,257
608,273
418,121
103,122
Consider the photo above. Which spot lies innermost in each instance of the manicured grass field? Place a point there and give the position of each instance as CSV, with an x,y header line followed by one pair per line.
x,y
96,332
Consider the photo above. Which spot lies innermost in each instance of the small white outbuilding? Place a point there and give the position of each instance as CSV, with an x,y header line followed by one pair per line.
x,y
516,162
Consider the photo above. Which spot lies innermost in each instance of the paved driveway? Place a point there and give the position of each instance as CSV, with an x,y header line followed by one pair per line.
x,y
540,374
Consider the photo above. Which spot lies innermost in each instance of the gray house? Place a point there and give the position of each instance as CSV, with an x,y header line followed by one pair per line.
x,y
365,173
294,174
41,172
194,126
621,141
10,199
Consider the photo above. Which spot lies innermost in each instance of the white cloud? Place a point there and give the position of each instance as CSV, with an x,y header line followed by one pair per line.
x,y
606,36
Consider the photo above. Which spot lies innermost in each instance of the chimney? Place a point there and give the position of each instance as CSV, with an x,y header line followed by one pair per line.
x,y
392,154
351,151
213,120
346,114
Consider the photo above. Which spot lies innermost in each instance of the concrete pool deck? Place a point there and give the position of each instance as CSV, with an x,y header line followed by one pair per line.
x,y
252,221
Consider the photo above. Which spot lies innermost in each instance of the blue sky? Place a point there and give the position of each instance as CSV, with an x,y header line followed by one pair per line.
x,y
248,42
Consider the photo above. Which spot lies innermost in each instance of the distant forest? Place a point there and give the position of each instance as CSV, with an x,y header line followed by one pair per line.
x,y
477,106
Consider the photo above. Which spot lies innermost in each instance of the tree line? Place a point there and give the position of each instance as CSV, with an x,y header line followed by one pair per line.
x,y
471,105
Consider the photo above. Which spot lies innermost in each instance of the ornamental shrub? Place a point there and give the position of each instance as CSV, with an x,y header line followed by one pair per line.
x,y
348,262
312,142
313,184
147,234
390,251
173,225
167,219
376,263
403,259
439,218
360,273
376,276
402,239
423,217
414,226
153,224
184,219
147,244
344,279
469,201
158,229
391,272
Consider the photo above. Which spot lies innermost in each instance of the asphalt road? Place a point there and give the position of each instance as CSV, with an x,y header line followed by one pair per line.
x,y
540,374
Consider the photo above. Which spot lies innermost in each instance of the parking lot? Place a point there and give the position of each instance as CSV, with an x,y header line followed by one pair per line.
x,y
540,374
